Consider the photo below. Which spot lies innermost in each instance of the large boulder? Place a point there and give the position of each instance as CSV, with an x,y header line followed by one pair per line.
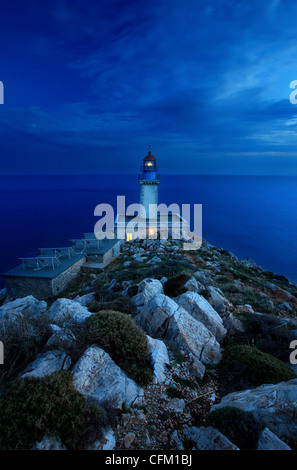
x,y
164,318
66,310
269,441
189,333
198,307
193,285
61,338
232,324
273,405
19,309
99,379
147,289
159,358
86,299
209,439
154,317
46,364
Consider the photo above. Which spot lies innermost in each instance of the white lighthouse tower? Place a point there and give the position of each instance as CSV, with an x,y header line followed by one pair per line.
x,y
149,182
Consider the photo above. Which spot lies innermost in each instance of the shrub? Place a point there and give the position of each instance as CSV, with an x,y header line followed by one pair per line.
x,y
121,304
245,366
269,335
174,286
32,407
121,338
239,426
22,339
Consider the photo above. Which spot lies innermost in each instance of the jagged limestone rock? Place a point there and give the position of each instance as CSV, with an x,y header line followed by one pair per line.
x,y
147,289
198,307
61,338
272,405
98,378
47,363
269,441
210,439
86,299
159,358
27,307
164,318
66,310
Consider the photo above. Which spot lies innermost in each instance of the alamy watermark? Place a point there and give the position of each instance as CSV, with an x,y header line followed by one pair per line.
x,y
293,94
161,221
1,353
1,93
293,355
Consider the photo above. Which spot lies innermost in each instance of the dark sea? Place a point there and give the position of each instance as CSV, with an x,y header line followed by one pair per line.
x,y
252,216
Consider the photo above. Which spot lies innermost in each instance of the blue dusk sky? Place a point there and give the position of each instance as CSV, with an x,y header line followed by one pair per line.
x,y
90,84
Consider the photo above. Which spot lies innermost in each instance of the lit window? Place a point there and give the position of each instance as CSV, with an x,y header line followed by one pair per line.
x,y
129,237
151,231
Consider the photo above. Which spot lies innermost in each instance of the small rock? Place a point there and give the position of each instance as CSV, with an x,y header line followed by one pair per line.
x,y
129,440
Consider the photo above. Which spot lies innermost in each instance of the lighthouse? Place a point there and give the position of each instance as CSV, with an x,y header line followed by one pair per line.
x,y
149,182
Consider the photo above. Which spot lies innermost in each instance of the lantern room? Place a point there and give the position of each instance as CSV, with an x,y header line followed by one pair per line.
x,y
149,167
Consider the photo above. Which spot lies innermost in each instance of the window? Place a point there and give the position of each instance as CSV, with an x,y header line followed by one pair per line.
x,y
129,237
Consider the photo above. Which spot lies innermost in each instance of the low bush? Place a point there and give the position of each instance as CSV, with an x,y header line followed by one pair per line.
x,y
245,366
239,426
120,304
22,339
269,335
121,338
32,407
175,286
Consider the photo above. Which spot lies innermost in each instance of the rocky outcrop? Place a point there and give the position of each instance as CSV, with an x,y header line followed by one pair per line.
x,y
159,358
66,310
164,318
209,439
269,441
147,289
19,309
46,364
232,324
98,378
49,443
193,285
198,307
61,338
86,299
272,405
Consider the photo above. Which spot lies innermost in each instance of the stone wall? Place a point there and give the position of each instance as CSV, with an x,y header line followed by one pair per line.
x,y
41,287
61,281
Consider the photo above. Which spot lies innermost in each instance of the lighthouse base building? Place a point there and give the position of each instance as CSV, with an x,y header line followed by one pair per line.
x,y
152,223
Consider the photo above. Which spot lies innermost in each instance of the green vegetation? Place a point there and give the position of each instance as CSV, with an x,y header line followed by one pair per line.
x,y
239,426
119,304
32,407
266,333
121,338
243,367
22,341
175,286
